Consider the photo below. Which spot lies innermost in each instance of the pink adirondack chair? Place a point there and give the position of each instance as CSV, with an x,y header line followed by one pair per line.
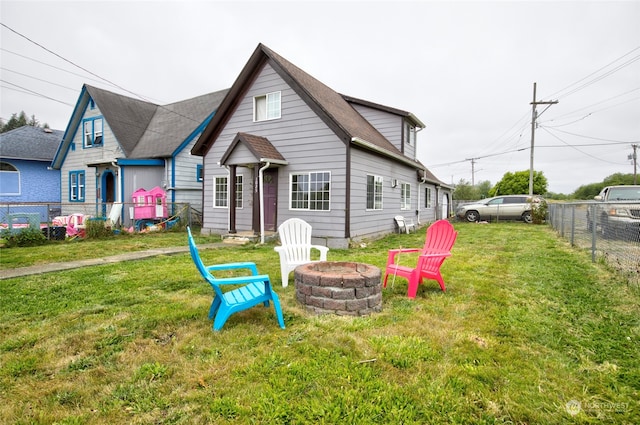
x,y
437,247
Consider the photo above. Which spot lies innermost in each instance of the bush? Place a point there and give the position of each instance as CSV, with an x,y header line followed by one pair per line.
x,y
96,229
539,211
25,237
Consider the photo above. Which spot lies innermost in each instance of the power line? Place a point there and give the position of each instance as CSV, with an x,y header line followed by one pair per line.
x,y
35,93
39,79
556,94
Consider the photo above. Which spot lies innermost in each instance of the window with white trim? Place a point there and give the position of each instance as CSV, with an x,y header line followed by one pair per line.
x,y
410,133
266,107
427,197
92,132
405,196
221,192
239,188
374,192
310,191
76,186
9,180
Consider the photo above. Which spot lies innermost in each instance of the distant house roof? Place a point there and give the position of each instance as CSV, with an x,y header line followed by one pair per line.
x,y
30,143
329,105
143,129
173,124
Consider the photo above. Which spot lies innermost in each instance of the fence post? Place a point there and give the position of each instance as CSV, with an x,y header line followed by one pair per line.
x,y
573,224
593,232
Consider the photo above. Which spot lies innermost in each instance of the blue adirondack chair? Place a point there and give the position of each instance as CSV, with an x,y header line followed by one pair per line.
x,y
249,290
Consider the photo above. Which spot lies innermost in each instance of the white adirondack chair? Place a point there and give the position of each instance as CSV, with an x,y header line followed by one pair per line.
x,y
295,249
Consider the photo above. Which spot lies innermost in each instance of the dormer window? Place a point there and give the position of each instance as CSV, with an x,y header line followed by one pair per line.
x,y
266,107
92,132
409,134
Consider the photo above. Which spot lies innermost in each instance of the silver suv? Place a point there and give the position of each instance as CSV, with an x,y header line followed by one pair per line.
x,y
505,207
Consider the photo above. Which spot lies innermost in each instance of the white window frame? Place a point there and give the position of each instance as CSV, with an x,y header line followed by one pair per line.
x,y
93,132
10,173
220,197
427,197
377,196
267,107
310,191
405,196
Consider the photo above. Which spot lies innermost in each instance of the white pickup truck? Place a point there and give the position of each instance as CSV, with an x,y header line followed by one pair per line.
x,y
617,212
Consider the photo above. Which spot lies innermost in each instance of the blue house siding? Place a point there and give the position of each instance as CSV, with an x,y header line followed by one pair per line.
x,y
37,184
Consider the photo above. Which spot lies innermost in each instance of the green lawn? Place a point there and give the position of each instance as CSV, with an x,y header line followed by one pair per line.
x,y
528,332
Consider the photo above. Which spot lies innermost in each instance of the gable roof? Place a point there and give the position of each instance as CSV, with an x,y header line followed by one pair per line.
x,y
142,129
174,123
30,143
260,147
329,105
389,109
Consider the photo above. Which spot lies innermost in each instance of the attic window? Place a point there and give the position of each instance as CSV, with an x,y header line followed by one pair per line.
x,y
266,107
92,104
92,132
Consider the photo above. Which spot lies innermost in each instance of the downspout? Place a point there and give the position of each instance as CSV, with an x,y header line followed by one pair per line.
x,y
261,184
423,180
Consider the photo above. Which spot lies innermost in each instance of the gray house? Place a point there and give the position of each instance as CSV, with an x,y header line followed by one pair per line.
x,y
293,147
115,145
25,176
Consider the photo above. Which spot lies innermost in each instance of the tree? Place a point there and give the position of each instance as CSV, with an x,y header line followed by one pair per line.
x,y
19,120
518,183
588,191
464,191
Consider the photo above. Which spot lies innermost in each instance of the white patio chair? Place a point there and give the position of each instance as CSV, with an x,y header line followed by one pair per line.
x,y
404,225
295,249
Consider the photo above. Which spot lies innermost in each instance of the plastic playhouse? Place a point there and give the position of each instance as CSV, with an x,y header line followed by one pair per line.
x,y
149,208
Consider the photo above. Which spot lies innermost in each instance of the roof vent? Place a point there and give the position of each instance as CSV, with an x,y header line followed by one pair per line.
x,y
47,130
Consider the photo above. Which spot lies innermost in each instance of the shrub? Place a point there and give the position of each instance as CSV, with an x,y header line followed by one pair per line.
x,y
95,229
539,211
25,237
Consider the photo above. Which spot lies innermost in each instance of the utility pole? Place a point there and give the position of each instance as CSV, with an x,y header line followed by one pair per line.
x,y
473,172
634,158
534,118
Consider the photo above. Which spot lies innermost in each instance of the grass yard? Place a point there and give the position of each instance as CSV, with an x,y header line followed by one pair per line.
x,y
528,332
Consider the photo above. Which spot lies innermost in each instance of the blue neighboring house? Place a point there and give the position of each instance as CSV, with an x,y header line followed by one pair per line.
x,y
25,173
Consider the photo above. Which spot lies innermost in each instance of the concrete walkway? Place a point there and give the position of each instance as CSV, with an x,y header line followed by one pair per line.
x,y
136,255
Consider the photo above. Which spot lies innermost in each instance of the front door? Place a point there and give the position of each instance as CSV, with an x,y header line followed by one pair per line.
x,y
108,190
270,195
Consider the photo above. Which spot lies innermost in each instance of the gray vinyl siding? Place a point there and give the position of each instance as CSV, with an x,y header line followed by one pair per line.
x,y
304,141
389,125
187,188
369,223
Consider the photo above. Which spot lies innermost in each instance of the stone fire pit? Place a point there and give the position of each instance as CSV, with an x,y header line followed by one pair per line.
x,y
342,288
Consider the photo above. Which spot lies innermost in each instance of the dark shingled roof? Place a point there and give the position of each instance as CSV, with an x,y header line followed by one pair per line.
x,y
30,143
173,123
128,118
259,146
330,106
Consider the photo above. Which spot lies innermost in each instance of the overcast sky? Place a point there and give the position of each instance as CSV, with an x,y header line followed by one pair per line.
x,y
465,69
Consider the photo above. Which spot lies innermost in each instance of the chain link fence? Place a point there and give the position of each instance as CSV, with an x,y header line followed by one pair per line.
x,y
610,231
49,216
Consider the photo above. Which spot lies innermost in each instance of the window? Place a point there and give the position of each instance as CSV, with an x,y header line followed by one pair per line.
x,y
76,186
266,107
427,197
92,104
199,173
9,180
92,132
310,191
405,196
239,187
410,134
221,192
374,192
